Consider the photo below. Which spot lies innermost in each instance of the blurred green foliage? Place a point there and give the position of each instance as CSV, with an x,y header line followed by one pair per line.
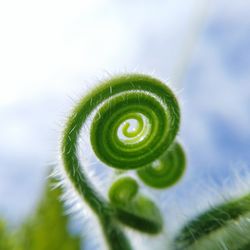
x,y
45,229
5,238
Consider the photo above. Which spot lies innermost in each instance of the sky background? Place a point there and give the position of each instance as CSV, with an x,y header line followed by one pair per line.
x,y
52,51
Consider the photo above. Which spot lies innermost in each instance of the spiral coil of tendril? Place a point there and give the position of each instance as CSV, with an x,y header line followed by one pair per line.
x,y
154,110
166,170
134,209
137,119
225,226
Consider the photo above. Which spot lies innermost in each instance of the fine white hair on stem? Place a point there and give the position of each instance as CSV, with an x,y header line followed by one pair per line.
x,y
79,148
210,197
80,212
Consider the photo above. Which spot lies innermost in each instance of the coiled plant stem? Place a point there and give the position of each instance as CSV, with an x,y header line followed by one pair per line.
x,y
139,87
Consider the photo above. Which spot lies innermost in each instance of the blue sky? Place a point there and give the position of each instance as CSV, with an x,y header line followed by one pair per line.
x,y
217,92
51,52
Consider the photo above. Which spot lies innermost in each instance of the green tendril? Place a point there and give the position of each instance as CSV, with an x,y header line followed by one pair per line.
x,y
123,191
133,209
136,119
166,170
226,226
147,102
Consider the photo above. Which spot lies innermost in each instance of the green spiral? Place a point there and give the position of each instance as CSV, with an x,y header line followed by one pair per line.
x,y
123,191
166,170
225,226
133,209
145,115
136,118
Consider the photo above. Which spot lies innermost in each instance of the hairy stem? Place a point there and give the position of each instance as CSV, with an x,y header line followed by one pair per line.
x,y
225,226
142,98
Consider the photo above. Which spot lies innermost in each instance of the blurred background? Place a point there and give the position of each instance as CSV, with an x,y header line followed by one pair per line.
x,y
52,51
